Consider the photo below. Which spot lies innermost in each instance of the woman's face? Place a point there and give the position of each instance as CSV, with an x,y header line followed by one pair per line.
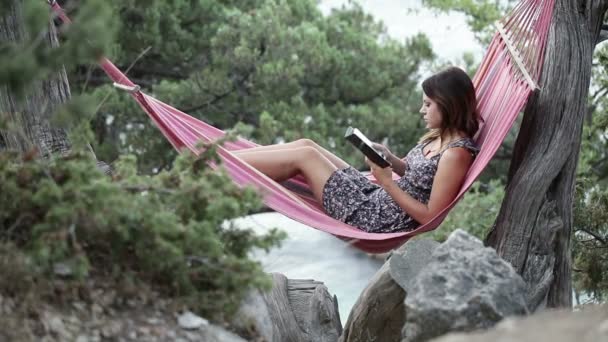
x,y
430,113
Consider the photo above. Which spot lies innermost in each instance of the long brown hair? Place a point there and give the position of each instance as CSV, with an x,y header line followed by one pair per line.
x,y
454,93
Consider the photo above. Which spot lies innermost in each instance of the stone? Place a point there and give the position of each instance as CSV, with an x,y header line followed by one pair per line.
x,y
406,262
79,306
190,321
143,331
463,287
54,324
82,338
111,329
587,325
253,316
97,309
62,269
153,321
379,312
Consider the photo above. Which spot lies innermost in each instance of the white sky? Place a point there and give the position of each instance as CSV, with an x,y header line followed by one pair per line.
x,y
449,34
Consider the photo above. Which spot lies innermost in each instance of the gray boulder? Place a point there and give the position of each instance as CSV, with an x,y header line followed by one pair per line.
x,y
409,260
587,325
379,313
463,287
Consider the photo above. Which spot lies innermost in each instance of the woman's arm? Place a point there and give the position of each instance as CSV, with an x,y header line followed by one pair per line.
x,y
451,171
397,164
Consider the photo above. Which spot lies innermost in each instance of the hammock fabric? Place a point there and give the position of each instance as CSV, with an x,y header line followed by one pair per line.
x,y
506,77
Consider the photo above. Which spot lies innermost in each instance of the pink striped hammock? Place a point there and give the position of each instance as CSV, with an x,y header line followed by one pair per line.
x,y
507,76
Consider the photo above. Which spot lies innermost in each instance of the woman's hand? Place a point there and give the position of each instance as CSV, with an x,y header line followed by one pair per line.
x,y
383,175
397,164
383,149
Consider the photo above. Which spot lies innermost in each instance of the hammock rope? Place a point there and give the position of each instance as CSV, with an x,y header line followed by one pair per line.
x,y
507,75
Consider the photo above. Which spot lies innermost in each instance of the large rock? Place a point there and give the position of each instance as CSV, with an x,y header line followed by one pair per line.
x,y
294,310
379,314
463,287
409,260
588,325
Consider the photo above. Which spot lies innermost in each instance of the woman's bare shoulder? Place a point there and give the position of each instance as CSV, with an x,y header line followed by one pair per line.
x,y
456,156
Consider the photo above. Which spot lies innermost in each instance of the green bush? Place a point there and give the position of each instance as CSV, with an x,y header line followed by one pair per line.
x,y
475,213
169,231
589,240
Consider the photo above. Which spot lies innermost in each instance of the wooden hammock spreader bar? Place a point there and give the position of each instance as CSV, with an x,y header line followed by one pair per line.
x,y
127,88
516,57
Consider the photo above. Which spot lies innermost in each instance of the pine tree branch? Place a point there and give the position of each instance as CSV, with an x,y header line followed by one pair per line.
x,y
179,74
216,98
598,237
142,188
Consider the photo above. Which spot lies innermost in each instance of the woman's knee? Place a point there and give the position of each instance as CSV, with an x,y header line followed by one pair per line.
x,y
305,142
305,155
310,153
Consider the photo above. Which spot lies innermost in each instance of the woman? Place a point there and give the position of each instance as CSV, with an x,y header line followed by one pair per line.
x,y
431,173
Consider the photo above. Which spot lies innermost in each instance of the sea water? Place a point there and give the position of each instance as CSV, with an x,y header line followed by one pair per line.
x,y
307,253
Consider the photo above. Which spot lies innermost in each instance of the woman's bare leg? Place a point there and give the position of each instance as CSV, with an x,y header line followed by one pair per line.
x,y
339,163
282,164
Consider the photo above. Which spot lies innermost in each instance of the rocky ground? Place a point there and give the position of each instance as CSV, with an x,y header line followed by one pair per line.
x,y
106,317
451,292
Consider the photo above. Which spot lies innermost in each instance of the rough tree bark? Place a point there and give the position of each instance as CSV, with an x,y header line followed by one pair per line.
x,y
533,229
32,113
295,310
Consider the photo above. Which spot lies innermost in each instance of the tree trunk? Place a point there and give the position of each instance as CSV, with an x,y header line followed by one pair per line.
x,y
31,114
534,225
295,310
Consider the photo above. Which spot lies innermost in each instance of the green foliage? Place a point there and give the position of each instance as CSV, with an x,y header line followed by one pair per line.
x,y
590,239
475,213
480,14
276,69
169,230
30,58
30,53
279,66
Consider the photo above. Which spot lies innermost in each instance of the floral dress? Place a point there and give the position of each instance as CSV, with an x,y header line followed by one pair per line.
x,y
349,196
